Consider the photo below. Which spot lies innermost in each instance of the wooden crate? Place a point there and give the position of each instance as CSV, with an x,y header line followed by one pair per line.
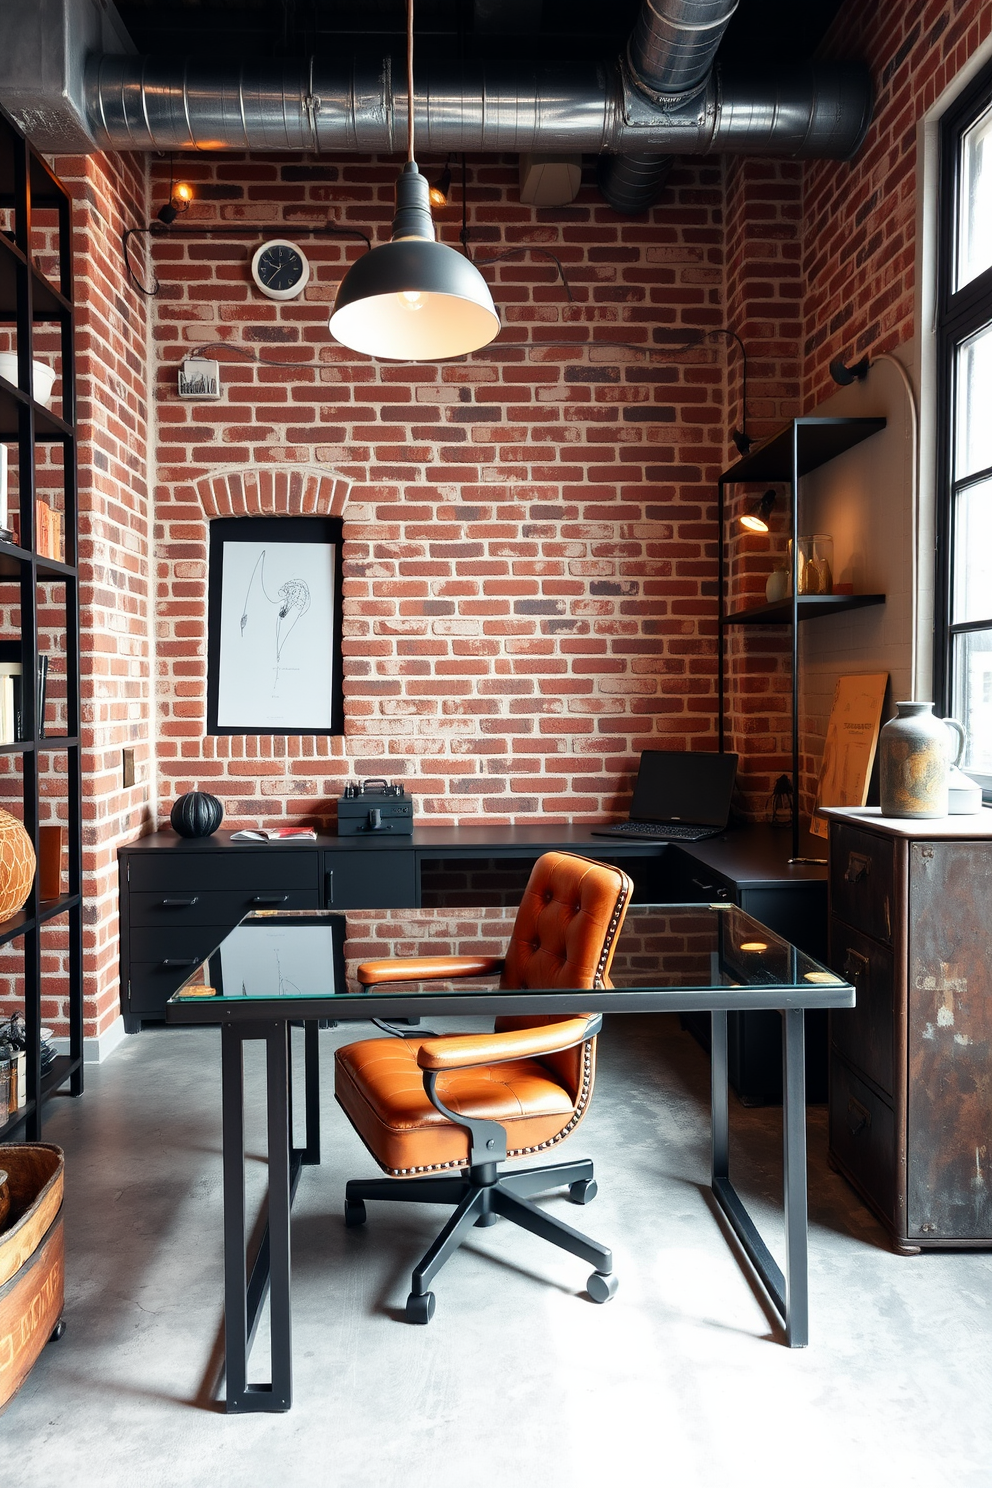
x,y
32,1259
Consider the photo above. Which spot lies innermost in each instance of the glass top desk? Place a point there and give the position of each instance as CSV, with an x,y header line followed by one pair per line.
x,y
281,968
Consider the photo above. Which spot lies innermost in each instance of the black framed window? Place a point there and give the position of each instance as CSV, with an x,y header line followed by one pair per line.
x,y
274,626
963,632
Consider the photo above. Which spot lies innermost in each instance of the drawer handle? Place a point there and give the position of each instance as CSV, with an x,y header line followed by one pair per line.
x,y
270,899
707,888
188,961
858,1117
858,867
181,903
855,965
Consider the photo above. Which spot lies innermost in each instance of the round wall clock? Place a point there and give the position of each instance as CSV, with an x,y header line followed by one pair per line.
x,y
280,269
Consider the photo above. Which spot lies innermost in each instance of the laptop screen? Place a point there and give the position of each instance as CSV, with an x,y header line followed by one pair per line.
x,y
691,787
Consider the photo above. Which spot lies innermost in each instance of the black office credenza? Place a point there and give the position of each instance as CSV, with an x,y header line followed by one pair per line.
x,y
180,897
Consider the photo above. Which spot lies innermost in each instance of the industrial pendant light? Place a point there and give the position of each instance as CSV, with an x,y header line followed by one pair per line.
x,y
413,299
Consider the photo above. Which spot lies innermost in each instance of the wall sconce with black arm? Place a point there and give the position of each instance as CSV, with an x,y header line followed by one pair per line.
x,y
755,515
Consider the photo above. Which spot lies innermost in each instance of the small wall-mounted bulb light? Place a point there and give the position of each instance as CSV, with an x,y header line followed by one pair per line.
x,y
742,441
439,191
755,515
843,376
182,195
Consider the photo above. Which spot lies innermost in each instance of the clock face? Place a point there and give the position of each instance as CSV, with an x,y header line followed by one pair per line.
x,y
280,270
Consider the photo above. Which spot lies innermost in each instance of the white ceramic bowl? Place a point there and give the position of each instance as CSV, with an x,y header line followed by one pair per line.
x,y
44,376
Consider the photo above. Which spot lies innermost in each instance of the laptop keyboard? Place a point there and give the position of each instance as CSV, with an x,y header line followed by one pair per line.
x,y
659,833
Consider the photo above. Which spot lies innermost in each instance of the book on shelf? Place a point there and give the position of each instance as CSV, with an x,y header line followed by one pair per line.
x,y
42,681
11,703
275,834
48,531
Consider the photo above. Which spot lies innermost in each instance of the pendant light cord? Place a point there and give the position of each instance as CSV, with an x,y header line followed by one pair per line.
x,y
409,80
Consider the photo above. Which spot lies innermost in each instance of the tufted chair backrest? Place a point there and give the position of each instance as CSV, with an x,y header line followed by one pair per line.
x,y
564,936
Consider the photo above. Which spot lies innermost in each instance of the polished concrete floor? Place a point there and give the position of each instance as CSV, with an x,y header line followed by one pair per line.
x,y
519,1380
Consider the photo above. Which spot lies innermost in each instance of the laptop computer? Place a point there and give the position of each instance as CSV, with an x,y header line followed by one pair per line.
x,y
678,797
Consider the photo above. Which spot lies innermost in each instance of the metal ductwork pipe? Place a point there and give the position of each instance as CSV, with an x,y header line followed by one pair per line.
x,y
669,58
820,110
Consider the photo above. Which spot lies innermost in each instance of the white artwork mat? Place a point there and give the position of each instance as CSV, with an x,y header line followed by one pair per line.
x,y
276,636
261,960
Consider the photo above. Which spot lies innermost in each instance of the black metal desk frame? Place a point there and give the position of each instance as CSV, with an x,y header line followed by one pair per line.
x,y
246,1286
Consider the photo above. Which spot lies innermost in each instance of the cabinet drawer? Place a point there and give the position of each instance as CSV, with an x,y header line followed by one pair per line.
x,y
268,867
179,943
212,906
370,880
861,880
863,1137
151,985
864,1034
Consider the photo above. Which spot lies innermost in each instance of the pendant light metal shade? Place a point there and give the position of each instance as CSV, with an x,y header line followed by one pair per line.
x,y
414,299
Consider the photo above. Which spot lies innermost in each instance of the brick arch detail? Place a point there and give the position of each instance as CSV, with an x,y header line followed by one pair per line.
x,y
273,491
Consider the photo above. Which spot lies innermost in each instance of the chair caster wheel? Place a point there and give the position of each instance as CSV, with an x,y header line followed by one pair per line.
x,y
354,1213
584,1191
601,1288
485,1220
420,1309
57,1332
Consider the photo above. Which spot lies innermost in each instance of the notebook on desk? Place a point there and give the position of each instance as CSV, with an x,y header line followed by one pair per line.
x,y
678,797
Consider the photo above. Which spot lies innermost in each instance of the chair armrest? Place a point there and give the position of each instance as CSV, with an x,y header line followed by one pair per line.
x,y
427,968
464,1051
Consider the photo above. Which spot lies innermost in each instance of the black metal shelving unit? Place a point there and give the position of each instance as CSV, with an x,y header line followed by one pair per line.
x,y
802,446
30,581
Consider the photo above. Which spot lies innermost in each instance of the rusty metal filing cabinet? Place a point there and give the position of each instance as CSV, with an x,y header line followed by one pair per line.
x,y
911,1065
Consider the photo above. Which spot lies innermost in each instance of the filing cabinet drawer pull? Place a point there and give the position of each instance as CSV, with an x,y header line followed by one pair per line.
x,y
858,867
181,903
858,1117
270,899
187,961
855,965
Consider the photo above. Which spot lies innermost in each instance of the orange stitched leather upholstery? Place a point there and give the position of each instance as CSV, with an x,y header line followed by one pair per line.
x,y
564,936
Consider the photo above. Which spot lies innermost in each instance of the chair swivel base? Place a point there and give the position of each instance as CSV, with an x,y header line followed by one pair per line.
x,y
480,1197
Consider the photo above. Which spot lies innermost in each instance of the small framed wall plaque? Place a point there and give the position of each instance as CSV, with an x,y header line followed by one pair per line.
x,y
199,378
274,626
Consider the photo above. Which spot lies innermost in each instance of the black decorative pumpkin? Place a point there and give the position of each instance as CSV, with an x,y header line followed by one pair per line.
x,y
197,815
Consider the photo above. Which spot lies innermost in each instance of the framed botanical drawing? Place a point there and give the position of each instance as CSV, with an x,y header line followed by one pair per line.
x,y
274,626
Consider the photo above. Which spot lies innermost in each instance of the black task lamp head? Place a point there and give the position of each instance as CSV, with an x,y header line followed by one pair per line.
x,y
843,376
756,513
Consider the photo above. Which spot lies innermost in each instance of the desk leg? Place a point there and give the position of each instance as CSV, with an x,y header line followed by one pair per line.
x,y
244,1293
235,1238
311,1093
719,1096
794,1169
788,1293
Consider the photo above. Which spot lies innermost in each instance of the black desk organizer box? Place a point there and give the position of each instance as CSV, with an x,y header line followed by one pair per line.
x,y
375,808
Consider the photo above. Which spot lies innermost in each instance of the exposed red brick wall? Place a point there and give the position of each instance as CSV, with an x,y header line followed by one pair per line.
x,y
115,529
530,555
860,239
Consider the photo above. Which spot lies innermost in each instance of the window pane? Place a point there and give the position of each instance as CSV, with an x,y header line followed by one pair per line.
x,y
975,201
972,697
973,443
973,555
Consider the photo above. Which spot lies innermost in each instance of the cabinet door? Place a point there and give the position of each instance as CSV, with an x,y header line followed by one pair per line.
x,y
370,880
949,1173
865,1034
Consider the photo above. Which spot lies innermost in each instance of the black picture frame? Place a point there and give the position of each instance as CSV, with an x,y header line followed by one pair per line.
x,y
270,532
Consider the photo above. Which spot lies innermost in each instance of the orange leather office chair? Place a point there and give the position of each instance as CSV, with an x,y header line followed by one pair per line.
x,y
439,1113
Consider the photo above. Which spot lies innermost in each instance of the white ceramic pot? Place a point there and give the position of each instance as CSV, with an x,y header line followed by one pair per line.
x,y
964,795
44,376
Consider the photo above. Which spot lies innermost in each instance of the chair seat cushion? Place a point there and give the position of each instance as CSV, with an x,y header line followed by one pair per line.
x,y
380,1086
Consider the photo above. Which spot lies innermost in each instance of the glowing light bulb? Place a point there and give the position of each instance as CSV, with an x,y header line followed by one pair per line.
x,y
754,945
183,192
754,524
411,299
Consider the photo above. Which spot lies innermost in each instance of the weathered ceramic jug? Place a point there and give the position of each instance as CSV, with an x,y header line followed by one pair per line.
x,y
916,754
